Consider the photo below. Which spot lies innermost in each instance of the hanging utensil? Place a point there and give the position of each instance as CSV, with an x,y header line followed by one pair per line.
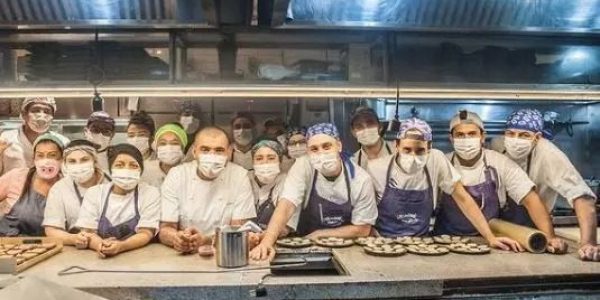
x,y
394,124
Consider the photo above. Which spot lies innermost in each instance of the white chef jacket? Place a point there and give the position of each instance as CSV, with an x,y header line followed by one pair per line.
x,y
552,172
512,180
191,201
361,158
298,186
63,203
443,175
121,208
20,153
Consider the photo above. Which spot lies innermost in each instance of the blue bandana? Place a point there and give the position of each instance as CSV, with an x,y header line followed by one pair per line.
x,y
414,124
526,119
323,128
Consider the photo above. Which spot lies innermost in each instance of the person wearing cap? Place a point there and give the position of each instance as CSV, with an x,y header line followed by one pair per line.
x,y
367,131
140,132
407,187
552,173
274,128
266,178
170,142
324,195
488,177
122,215
199,196
16,146
295,146
100,130
243,130
82,171
23,191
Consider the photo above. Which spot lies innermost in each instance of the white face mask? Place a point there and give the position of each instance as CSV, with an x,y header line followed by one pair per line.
x,y
326,163
517,148
125,178
266,173
368,137
47,168
297,151
140,142
169,154
412,163
80,173
186,121
243,137
211,165
39,122
98,138
467,148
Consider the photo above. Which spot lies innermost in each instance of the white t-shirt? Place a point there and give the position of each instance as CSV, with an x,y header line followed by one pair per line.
x,y
297,189
153,174
20,153
191,201
443,175
243,159
261,193
552,172
63,204
511,179
361,158
120,208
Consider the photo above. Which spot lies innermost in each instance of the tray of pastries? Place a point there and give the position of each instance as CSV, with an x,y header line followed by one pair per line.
x,y
449,239
384,250
430,249
295,242
469,248
413,240
333,242
18,254
378,241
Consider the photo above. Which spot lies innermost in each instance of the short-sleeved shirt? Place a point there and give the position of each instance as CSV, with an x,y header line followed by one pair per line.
x,y
191,201
298,187
443,175
63,203
121,208
512,180
362,159
552,173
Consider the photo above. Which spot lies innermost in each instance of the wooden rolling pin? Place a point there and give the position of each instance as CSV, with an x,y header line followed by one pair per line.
x,y
532,239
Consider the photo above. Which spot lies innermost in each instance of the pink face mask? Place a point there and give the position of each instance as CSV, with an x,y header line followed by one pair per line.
x,y
47,168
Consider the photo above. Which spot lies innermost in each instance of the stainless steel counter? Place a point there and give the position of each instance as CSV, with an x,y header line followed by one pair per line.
x,y
368,276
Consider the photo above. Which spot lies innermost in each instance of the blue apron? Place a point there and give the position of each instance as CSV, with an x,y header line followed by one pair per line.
x,y
121,231
26,216
321,213
404,212
514,213
450,219
264,212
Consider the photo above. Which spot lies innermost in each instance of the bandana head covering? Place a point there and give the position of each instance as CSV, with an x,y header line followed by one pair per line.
x,y
83,145
296,130
176,130
323,128
101,117
526,119
273,145
414,124
114,151
39,100
49,136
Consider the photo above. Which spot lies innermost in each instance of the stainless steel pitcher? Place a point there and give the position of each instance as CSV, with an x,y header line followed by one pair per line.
x,y
231,245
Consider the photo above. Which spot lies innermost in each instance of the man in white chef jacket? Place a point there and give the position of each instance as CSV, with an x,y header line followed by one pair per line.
x,y
199,196
324,195
492,180
16,146
366,128
553,174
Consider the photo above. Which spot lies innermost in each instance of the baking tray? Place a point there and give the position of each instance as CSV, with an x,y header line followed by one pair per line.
x,y
9,265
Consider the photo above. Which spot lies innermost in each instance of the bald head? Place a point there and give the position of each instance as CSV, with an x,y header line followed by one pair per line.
x,y
211,140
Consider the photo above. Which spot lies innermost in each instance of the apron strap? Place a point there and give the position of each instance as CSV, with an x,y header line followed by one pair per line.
x,y
313,186
78,193
135,199
387,147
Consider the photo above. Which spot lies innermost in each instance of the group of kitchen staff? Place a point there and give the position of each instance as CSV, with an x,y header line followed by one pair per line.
x,y
178,187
